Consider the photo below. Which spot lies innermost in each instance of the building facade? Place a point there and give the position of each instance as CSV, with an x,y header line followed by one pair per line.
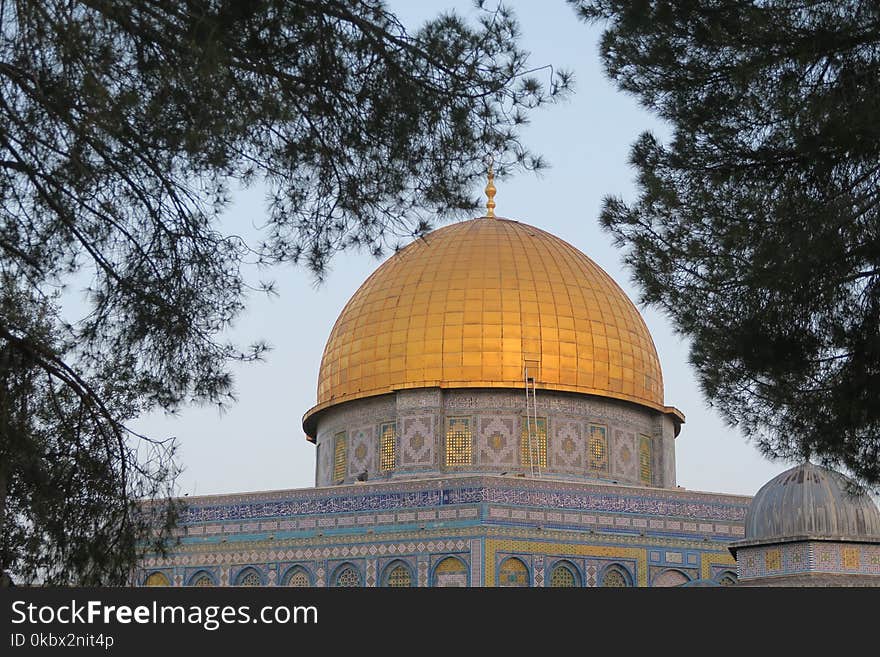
x,y
489,412
467,530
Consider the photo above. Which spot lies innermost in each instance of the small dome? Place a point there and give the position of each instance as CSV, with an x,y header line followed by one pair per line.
x,y
470,303
814,502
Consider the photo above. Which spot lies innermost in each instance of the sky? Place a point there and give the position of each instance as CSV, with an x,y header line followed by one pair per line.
x,y
258,443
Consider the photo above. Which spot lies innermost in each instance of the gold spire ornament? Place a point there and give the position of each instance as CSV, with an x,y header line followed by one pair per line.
x,y
490,192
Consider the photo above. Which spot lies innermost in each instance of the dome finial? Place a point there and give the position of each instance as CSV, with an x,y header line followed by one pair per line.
x,y
490,189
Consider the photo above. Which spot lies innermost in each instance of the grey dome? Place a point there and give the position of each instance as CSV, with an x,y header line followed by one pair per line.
x,y
809,501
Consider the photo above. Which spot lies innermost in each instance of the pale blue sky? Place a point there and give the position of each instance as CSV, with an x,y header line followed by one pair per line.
x,y
258,444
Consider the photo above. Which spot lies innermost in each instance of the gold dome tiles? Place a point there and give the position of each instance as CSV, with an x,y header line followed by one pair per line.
x,y
469,303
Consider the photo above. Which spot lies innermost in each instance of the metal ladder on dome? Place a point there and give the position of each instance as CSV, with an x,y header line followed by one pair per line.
x,y
532,417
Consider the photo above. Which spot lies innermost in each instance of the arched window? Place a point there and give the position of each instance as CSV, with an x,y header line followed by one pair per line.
x,y
201,578
387,446
249,577
564,575
513,572
597,448
726,578
347,576
459,450
646,458
450,572
615,576
398,575
157,579
339,457
670,577
538,454
298,577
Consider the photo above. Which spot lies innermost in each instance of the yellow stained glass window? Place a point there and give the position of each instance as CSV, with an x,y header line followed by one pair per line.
x,y
348,577
450,565
249,577
562,577
450,572
202,580
459,449
157,579
538,455
773,560
513,572
646,474
387,446
727,579
298,578
597,448
614,578
399,577
851,557
339,457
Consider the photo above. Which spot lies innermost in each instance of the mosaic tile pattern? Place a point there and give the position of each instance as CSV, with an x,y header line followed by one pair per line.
x,y
801,557
363,451
476,490
624,459
423,570
796,558
371,573
422,436
417,398
538,569
372,559
568,446
324,464
550,404
476,560
418,441
496,440
623,559
479,519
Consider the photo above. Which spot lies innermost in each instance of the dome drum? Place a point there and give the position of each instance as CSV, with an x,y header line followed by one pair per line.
x,y
433,432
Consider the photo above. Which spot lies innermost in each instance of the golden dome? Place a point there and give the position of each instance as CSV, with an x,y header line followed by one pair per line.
x,y
467,305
